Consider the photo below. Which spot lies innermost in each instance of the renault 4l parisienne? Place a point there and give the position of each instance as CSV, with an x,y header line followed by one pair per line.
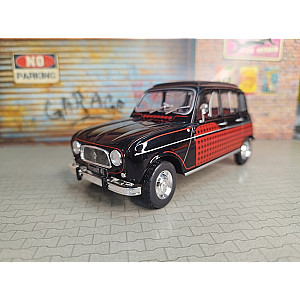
x,y
176,128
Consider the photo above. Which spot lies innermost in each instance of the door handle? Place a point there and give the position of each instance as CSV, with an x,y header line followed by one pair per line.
x,y
223,123
239,120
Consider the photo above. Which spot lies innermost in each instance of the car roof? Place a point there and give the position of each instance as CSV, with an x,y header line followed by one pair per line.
x,y
195,84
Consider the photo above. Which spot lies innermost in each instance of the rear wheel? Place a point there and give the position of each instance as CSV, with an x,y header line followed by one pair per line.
x,y
159,184
245,152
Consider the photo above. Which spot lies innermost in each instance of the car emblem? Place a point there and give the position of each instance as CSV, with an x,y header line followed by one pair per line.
x,y
94,155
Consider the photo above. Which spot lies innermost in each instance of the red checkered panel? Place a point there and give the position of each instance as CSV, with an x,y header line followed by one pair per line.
x,y
217,144
205,128
247,130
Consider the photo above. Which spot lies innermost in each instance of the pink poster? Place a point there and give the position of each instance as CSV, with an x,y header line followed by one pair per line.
x,y
260,49
225,74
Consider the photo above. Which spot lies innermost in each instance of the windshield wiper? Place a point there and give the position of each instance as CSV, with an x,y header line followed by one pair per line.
x,y
177,108
166,105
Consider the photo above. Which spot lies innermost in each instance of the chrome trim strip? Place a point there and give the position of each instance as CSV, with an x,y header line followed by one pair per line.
x,y
92,162
211,162
114,184
194,137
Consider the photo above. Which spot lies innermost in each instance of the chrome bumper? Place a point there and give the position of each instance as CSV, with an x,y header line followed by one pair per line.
x,y
113,184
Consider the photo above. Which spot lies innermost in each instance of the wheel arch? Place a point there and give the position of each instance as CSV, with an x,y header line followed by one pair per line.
x,y
170,158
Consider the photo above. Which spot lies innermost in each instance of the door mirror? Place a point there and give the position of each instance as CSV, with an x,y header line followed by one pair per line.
x,y
204,111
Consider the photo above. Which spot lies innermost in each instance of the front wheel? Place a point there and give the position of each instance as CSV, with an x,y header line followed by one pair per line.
x,y
245,152
159,184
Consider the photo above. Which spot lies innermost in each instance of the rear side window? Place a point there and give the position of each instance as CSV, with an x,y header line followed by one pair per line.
x,y
234,102
230,103
242,102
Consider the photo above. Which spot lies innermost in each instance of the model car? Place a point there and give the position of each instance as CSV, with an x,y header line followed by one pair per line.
x,y
177,127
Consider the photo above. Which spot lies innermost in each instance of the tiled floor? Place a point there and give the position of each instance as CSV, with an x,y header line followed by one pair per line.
x,y
222,213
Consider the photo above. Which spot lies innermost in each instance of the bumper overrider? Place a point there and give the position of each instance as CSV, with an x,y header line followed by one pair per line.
x,y
111,183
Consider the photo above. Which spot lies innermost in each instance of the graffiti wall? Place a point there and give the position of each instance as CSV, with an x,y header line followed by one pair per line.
x,y
49,89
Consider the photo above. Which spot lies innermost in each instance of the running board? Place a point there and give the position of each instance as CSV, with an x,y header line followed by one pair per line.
x,y
212,162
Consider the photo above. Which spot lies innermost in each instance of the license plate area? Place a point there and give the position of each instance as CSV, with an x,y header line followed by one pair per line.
x,y
98,170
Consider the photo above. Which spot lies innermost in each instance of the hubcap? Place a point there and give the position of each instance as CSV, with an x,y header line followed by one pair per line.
x,y
164,184
245,150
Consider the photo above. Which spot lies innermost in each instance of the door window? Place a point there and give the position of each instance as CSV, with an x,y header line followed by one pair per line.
x,y
213,105
230,103
212,99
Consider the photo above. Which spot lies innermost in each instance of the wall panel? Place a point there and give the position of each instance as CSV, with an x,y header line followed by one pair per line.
x,y
100,80
273,114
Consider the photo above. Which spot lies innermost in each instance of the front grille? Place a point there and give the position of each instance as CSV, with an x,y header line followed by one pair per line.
x,y
96,156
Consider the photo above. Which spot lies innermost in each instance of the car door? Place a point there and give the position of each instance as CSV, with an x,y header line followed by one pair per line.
x,y
229,106
232,118
244,118
206,142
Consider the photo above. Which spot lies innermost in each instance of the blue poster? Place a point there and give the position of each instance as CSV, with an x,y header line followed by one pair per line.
x,y
270,80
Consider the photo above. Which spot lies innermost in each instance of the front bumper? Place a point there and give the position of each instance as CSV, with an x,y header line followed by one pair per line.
x,y
113,184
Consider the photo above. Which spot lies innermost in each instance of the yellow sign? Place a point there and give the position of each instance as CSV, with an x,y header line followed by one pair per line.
x,y
248,77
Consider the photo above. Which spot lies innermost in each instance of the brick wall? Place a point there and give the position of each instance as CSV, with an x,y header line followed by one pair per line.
x,y
273,115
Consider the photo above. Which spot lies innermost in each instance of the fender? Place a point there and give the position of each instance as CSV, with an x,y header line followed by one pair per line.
x,y
172,158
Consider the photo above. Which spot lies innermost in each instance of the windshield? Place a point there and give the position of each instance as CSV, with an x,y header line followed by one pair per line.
x,y
177,101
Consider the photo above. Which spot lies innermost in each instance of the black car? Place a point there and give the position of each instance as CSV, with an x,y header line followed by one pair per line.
x,y
178,127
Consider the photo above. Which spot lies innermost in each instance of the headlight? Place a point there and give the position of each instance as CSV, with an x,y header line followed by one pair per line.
x,y
76,147
116,158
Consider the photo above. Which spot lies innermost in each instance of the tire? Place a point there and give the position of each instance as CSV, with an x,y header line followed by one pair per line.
x,y
159,184
244,154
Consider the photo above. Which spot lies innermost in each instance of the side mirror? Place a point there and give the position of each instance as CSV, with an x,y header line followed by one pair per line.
x,y
204,111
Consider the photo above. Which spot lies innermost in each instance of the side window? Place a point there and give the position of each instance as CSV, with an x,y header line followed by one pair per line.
x,y
225,103
213,105
212,100
234,102
230,103
242,102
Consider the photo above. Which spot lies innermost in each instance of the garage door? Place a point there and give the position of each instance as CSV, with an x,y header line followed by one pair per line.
x,y
97,81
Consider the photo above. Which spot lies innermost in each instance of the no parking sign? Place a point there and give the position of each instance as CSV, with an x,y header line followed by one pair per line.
x,y
35,68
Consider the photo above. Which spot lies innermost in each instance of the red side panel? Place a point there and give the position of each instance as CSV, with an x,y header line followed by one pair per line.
x,y
214,145
205,128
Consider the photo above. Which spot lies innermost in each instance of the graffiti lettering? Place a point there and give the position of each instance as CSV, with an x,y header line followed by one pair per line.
x,y
96,99
77,101
58,114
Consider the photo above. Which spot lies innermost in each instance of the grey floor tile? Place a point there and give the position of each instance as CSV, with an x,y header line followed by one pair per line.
x,y
223,213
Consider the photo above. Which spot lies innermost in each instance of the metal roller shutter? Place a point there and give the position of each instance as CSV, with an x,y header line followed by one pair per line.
x,y
100,80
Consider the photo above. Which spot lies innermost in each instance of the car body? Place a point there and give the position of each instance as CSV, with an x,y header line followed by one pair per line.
x,y
184,126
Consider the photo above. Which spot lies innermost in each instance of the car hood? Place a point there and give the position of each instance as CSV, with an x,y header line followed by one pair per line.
x,y
123,133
